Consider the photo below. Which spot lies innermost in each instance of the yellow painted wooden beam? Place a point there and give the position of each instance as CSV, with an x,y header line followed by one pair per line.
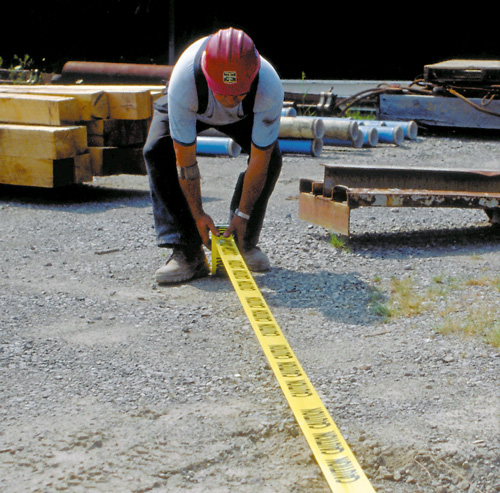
x,y
38,109
45,173
42,142
93,103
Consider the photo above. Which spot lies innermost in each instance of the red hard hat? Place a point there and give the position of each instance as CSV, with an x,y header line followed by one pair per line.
x,y
230,62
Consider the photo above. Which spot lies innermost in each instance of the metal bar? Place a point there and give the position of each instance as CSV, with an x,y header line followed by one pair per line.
x,y
458,180
329,203
439,111
363,197
113,73
322,211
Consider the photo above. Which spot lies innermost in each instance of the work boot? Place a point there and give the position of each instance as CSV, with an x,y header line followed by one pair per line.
x,y
183,267
256,260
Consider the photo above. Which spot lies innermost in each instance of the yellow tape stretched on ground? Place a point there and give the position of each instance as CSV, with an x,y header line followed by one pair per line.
x,y
337,462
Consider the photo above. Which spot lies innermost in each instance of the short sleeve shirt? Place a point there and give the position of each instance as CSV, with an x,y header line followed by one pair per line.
x,y
183,103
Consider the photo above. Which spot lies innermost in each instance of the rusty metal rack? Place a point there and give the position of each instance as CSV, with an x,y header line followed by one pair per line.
x,y
468,72
329,203
322,104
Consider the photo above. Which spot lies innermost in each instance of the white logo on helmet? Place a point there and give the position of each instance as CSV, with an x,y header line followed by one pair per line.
x,y
229,77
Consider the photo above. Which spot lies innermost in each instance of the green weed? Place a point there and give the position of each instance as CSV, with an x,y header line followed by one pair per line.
x,y
337,242
449,298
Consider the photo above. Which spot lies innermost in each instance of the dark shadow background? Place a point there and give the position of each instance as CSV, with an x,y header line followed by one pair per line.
x,y
316,41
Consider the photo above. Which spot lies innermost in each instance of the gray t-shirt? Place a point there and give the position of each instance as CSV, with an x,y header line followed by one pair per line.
x,y
183,103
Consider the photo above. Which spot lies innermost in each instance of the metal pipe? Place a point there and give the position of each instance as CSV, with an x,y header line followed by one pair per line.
x,y
356,141
288,111
340,128
390,135
113,73
370,135
212,132
301,127
410,128
222,146
301,146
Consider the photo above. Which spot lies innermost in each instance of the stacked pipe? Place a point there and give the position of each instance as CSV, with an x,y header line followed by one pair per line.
x,y
298,135
217,145
212,142
394,131
301,135
307,135
342,132
367,133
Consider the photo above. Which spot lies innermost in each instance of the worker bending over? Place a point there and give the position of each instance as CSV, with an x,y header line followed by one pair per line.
x,y
219,82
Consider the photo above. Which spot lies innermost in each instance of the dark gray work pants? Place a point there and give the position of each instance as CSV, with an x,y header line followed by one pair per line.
x,y
174,224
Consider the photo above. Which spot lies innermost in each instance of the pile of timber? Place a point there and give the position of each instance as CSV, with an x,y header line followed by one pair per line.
x,y
57,135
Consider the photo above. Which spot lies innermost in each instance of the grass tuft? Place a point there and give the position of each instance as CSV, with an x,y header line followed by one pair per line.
x,y
449,299
337,242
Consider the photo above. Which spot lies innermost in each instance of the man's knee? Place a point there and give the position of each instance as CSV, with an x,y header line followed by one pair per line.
x,y
156,150
276,160
150,150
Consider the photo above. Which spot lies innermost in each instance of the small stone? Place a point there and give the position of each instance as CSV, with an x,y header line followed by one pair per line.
x,y
383,473
96,444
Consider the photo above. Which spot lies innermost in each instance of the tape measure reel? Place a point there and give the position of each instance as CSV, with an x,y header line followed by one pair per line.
x,y
337,462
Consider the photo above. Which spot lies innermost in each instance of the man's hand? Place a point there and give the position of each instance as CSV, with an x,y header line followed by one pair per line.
x,y
255,177
237,228
190,186
205,224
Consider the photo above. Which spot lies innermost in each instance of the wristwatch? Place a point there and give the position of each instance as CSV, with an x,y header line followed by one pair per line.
x,y
242,214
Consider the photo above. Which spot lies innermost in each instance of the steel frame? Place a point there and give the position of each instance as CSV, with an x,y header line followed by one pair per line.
x,y
328,203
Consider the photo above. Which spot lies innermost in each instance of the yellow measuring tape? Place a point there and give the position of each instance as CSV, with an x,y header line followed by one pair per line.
x,y
337,462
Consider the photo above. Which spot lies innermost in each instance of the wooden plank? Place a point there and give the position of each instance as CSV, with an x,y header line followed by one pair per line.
x,y
439,111
115,101
117,161
125,102
82,164
38,109
33,172
117,133
42,142
93,103
152,88
129,105
156,95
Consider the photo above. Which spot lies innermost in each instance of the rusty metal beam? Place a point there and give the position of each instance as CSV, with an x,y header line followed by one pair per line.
x,y
322,211
460,180
113,73
328,203
364,197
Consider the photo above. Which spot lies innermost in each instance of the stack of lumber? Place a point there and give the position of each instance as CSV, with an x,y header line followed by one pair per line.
x,y
56,135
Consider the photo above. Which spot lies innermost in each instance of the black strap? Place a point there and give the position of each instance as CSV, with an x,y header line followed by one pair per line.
x,y
249,101
202,86
200,81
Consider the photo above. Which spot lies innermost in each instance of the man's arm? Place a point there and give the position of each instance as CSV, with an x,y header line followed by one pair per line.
x,y
253,184
189,180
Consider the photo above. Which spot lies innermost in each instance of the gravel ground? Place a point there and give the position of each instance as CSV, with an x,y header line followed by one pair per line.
x,y
110,382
